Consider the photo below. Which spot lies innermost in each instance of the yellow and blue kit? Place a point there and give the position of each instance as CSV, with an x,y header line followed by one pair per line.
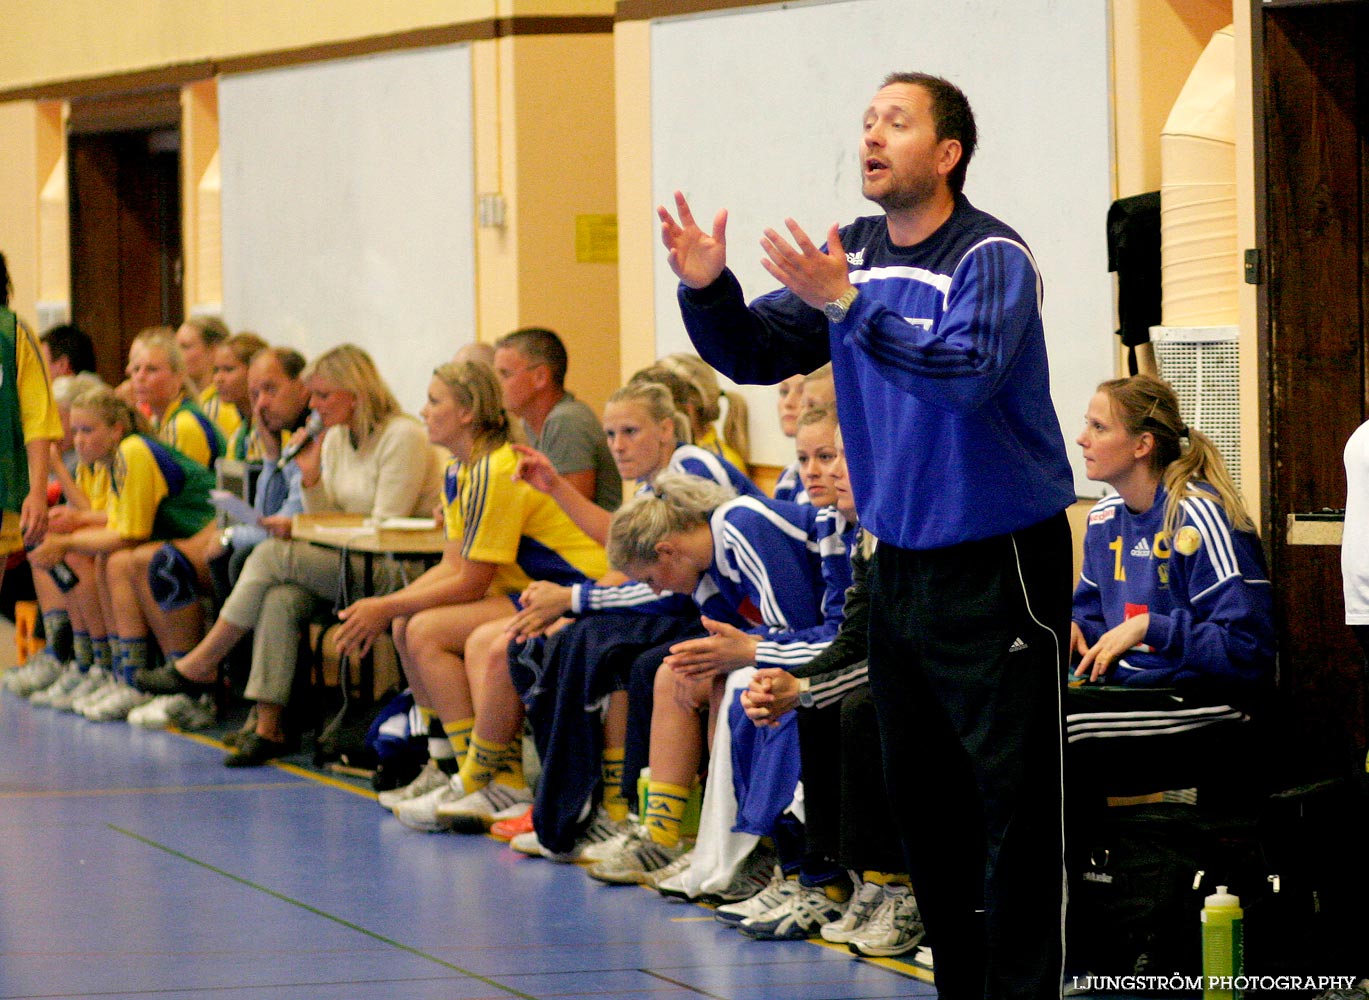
x,y
522,531
156,493
186,428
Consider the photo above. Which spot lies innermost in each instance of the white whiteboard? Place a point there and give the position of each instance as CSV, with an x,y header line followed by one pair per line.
x,y
348,193
758,111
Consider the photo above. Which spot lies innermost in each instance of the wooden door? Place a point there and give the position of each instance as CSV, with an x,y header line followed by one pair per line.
x,y
1315,95
125,238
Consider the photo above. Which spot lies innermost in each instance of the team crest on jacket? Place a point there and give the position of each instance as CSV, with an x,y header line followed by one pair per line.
x,y
856,258
1188,540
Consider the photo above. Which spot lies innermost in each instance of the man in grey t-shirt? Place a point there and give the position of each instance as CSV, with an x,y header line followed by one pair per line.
x,y
531,365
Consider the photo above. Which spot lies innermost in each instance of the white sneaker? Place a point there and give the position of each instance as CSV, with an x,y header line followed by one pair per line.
x,y
485,806
797,918
115,706
596,835
420,813
609,846
669,881
192,713
894,929
635,860
429,778
155,713
922,958
527,843
752,876
96,680
864,902
779,889
40,671
66,681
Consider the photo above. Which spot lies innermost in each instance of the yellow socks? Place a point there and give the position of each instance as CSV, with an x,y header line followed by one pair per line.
x,y
886,878
614,802
510,771
664,811
481,763
459,735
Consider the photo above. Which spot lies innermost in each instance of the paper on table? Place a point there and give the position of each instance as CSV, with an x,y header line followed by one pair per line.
x,y
238,511
409,524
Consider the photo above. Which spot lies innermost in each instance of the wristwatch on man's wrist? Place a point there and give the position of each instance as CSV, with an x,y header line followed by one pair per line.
x,y
836,311
806,696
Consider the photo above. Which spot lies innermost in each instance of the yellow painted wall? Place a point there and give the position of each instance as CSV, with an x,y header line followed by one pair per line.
x,y
1155,44
20,182
45,42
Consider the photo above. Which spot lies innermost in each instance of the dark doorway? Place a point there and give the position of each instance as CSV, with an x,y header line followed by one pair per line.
x,y
1313,102
126,269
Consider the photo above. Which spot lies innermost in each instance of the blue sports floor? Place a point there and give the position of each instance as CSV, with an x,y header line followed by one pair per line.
x,y
133,864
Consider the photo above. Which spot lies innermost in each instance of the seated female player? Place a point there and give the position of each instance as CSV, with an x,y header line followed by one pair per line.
x,y
645,431
592,661
232,358
1173,616
501,535
756,569
155,494
372,459
162,389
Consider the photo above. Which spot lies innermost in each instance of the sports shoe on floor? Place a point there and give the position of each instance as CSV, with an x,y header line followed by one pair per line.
x,y
255,750
153,714
864,902
600,832
751,877
432,776
507,829
671,875
115,706
796,918
776,892
527,843
484,806
191,714
635,859
40,671
93,687
894,929
610,845
922,958
420,812
166,679
65,683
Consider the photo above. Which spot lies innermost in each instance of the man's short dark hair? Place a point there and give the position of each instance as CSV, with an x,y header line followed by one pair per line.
x,y
290,360
540,346
952,116
213,331
74,344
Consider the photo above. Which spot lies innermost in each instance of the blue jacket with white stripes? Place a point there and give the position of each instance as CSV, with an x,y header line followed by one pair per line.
x,y
943,387
638,598
1206,590
786,568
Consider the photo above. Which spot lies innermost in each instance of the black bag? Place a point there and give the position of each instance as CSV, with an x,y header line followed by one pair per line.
x,y
1133,907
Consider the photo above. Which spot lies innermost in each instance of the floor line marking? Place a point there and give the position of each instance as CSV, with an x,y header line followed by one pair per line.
x,y
280,765
681,985
320,913
892,964
167,790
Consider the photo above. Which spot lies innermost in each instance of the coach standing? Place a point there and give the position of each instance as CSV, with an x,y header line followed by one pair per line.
x,y
931,317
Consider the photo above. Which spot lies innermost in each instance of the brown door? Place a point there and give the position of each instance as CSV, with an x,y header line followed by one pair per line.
x,y
1315,103
125,237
